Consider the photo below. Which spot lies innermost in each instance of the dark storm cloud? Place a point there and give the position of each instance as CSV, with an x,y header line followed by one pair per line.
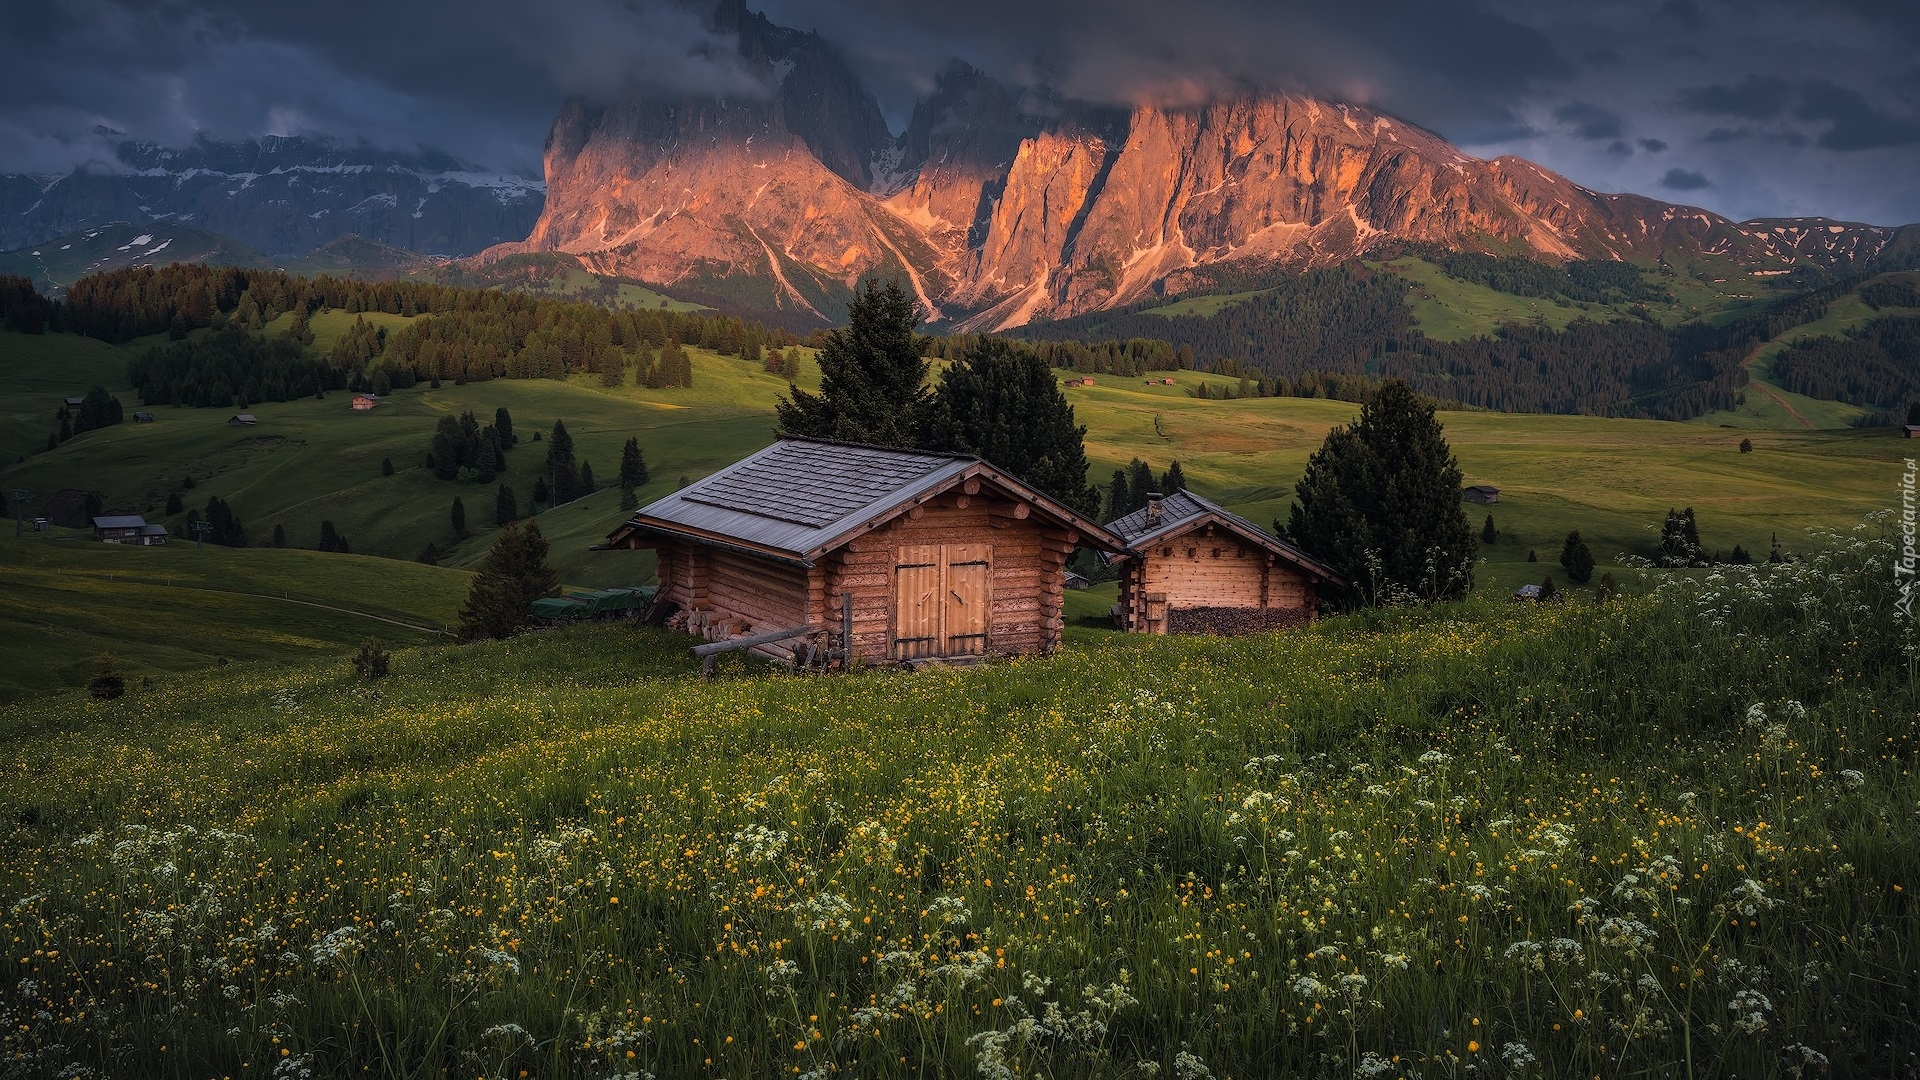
x,y
481,78
1756,97
1856,123
1589,121
1684,180
1789,108
1449,63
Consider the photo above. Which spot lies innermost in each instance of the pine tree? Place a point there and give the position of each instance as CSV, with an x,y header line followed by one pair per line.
x,y
1548,590
1913,414
226,530
633,473
1380,501
1118,499
506,507
457,517
449,448
279,535
331,540
587,485
1488,534
542,493
386,466
503,425
1174,479
173,503
1004,405
1775,556
1139,484
872,376
1746,446
515,575
1680,540
563,473
486,459
1577,559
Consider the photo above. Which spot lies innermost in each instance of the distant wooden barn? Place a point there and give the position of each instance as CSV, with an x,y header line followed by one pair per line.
x,y
942,555
245,419
1910,431
1083,381
365,402
1192,567
143,418
1480,493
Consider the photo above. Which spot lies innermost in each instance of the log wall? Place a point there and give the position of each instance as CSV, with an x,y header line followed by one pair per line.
x,y
1026,573
1208,569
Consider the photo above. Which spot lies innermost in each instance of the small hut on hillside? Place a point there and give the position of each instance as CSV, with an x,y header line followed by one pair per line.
x,y
942,555
1191,567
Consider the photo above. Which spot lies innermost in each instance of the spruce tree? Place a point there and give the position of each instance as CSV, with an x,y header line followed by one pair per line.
x,y
633,473
279,536
563,472
1576,558
587,484
331,540
1174,479
506,506
386,466
457,517
173,503
486,460
872,376
226,529
1139,484
449,448
514,576
1380,501
503,425
1116,496
1488,534
1004,405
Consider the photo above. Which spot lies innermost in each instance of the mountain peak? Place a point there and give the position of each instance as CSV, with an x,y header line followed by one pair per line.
x,y
1001,204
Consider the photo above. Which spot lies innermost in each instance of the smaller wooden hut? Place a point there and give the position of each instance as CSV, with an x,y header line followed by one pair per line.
x,y
936,556
1193,568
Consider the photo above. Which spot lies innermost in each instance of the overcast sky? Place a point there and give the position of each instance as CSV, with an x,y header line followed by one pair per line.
x,y
1754,108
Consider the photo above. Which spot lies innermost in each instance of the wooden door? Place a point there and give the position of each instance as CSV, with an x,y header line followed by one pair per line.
x,y
967,598
916,602
942,597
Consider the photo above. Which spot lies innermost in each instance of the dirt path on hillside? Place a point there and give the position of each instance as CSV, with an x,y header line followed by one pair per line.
x,y
1770,391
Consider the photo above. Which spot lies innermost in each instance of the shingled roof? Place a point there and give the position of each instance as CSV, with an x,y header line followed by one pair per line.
x,y
800,498
1183,511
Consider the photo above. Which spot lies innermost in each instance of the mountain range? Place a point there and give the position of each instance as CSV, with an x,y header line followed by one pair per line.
x,y
1002,205
282,196
999,205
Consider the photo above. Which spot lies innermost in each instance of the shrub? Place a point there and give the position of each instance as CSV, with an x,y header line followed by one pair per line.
x,y
373,659
106,683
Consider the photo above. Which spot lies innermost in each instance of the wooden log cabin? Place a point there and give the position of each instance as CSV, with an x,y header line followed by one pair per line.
x,y
1191,567
942,555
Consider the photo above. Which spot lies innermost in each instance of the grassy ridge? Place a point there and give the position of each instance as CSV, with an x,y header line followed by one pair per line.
x,y
1557,841
64,602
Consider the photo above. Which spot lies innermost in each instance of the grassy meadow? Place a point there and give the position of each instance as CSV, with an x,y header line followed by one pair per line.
x,y
1669,835
312,460
66,600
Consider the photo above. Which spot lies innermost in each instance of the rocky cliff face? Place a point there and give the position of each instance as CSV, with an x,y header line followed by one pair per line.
x,y
1002,207
283,196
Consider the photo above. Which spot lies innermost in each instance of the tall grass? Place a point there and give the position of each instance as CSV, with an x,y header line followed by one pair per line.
x,y
1666,836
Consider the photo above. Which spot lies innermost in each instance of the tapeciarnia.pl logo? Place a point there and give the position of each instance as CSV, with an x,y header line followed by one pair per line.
x,y
1905,566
